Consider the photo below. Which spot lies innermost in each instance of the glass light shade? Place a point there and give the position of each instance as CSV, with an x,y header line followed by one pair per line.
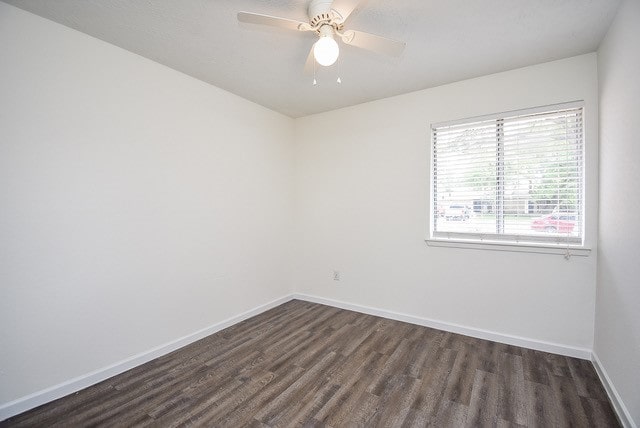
x,y
326,51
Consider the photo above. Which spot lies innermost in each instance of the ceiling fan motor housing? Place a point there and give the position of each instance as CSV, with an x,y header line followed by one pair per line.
x,y
320,13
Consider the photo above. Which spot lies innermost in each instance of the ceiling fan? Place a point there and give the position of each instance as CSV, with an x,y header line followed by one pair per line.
x,y
327,19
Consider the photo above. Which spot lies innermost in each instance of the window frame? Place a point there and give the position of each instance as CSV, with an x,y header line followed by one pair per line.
x,y
507,242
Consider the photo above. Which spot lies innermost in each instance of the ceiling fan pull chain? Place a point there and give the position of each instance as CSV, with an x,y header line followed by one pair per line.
x,y
315,82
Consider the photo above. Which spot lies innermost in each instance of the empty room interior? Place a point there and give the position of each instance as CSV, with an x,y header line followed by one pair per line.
x,y
319,213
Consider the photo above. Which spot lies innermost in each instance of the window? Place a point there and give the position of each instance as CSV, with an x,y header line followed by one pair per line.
x,y
514,178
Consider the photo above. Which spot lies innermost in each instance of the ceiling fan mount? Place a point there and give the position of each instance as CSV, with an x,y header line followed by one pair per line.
x,y
327,19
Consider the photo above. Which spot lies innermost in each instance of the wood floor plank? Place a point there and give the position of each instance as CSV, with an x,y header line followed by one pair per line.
x,y
536,366
543,408
345,399
570,409
485,400
585,379
270,413
395,402
599,413
396,362
303,364
462,375
513,406
431,391
451,414
241,414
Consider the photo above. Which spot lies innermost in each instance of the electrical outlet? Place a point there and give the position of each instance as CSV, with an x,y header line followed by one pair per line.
x,y
336,275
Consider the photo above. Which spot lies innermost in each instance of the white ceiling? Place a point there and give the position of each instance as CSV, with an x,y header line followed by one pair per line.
x,y
447,41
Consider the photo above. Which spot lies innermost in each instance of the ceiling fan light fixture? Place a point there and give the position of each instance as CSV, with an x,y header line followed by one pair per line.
x,y
326,50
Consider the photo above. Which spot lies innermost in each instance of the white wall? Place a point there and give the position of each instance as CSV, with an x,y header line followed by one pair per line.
x,y
617,328
137,205
362,177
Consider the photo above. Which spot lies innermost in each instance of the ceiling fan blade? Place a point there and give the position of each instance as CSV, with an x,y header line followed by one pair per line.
x,y
310,63
274,21
346,7
374,43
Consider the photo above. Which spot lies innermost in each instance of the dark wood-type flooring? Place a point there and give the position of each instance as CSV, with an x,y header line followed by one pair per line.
x,y
313,365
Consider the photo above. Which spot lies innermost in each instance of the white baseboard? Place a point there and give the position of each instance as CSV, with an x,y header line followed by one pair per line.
x,y
582,353
618,405
36,399
57,391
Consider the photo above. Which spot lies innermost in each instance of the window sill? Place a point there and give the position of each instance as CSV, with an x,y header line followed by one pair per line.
x,y
510,246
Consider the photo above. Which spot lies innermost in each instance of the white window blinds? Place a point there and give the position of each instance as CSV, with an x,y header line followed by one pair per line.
x,y
516,177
